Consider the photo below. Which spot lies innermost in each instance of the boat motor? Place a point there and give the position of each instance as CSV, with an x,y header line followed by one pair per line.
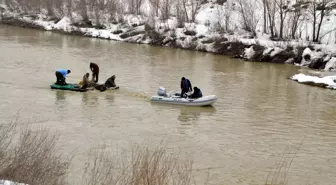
x,y
162,91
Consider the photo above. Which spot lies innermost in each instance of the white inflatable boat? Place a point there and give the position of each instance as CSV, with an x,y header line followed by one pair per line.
x,y
174,98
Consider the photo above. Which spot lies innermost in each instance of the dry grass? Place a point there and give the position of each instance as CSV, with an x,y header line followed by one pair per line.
x,y
33,159
7,133
142,167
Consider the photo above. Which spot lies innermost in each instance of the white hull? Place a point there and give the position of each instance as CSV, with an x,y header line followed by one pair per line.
x,y
204,101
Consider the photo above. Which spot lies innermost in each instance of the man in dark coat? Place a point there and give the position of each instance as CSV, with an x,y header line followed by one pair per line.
x,y
185,86
95,72
110,82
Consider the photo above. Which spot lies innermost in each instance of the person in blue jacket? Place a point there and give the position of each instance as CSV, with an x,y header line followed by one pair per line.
x,y
185,86
61,76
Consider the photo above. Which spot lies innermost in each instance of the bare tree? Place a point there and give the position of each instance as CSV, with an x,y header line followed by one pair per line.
x,y
319,10
185,10
282,7
69,7
227,16
165,8
50,6
324,11
59,7
270,6
134,6
36,5
82,7
121,9
223,17
155,4
250,19
190,8
112,7
195,6
98,7
296,14
265,16
315,15
138,4
181,15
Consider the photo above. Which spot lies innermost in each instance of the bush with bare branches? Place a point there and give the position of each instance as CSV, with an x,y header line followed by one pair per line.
x,y
249,15
33,159
142,167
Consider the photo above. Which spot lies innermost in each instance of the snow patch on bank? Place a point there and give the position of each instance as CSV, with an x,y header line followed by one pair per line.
x,y
308,56
5,182
249,52
331,65
327,80
63,24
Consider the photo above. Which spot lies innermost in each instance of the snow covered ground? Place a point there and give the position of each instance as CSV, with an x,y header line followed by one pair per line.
x,y
5,182
327,81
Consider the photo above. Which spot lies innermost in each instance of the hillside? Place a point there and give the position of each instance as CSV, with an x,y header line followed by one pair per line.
x,y
300,32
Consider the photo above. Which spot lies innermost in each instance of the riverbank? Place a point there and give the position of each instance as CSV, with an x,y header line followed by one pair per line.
x,y
192,37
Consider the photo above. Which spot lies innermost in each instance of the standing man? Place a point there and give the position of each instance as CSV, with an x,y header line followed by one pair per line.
x,y
95,71
185,86
61,76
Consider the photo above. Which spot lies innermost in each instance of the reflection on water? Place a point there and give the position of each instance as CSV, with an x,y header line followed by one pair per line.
x,y
190,115
187,114
60,95
109,97
90,99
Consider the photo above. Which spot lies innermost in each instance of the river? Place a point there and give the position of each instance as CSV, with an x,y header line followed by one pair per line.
x,y
259,116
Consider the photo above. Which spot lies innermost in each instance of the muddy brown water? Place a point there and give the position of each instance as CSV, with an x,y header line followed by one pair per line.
x,y
260,115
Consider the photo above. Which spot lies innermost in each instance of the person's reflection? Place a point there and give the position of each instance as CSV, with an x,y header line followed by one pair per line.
x,y
85,98
189,114
109,98
89,99
60,95
61,107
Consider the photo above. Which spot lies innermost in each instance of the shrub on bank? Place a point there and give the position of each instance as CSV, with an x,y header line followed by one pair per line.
x,y
34,158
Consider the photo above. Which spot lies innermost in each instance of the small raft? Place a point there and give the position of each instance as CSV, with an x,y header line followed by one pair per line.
x,y
68,87
174,98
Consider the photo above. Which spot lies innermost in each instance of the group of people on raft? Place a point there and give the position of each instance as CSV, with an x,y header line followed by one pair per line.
x,y
86,83
61,74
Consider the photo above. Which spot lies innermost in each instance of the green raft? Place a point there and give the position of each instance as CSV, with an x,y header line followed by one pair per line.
x,y
69,87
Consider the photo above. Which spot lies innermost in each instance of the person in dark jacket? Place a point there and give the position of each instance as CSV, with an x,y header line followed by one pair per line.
x,y
197,93
61,76
110,82
95,72
185,86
